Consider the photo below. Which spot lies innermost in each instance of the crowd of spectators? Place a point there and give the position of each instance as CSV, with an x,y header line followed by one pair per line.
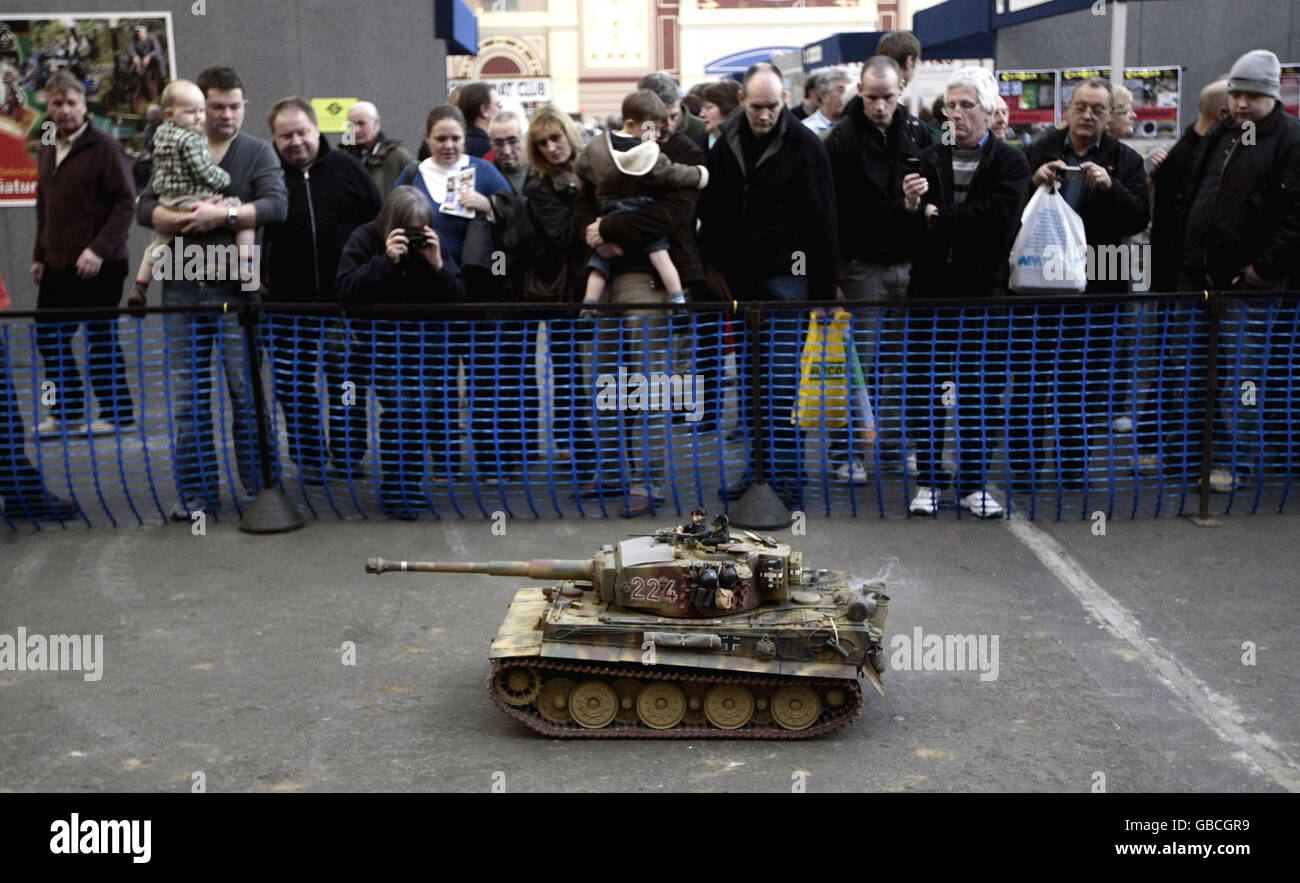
x,y
726,193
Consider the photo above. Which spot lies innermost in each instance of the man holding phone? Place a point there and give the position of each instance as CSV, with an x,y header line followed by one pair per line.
x,y
871,149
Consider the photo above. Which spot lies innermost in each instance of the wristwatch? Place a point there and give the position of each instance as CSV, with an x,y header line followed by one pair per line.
x,y
232,217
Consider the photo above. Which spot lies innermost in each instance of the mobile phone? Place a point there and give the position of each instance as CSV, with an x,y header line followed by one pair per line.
x,y
911,165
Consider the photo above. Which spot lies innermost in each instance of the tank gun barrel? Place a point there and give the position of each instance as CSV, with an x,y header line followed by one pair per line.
x,y
538,568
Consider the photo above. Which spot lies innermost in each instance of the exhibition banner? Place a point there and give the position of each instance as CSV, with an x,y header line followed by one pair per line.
x,y
1291,88
1156,97
1031,101
123,60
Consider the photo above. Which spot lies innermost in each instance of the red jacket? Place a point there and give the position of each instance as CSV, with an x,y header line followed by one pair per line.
x,y
87,201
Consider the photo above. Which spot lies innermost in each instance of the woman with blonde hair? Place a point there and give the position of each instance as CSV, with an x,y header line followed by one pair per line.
x,y
554,144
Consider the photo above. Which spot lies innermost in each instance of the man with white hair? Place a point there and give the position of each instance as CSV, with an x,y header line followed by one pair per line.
x,y
509,153
832,87
383,157
964,206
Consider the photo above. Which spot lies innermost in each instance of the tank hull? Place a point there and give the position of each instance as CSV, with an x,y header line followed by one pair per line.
x,y
570,666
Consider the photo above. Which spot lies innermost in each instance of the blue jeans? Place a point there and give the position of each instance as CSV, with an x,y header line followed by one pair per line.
x,y
190,340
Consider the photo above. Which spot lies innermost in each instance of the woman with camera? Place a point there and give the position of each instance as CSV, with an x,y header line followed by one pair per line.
x,y
400,258
493,351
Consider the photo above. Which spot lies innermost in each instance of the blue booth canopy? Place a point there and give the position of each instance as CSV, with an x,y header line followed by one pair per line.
x,y
956,29
739,62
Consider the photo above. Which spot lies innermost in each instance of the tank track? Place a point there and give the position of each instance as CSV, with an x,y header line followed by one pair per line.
x,y
547,669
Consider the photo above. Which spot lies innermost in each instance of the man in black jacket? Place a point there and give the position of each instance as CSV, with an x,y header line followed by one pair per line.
x,y
768,232
1163,409
964,206
330,195
1243,233
870,151
1054,348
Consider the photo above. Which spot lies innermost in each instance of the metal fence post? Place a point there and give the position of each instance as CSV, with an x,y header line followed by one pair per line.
x,y
271,511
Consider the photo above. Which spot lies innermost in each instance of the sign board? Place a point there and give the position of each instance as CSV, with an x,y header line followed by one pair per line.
x,y
1291,88
520,89
332,113
1156,92
123,59
1031,97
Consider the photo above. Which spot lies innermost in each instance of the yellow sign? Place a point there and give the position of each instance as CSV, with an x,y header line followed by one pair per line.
x,y
332,113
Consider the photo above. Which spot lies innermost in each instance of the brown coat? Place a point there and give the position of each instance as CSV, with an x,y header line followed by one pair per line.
x,y
87,201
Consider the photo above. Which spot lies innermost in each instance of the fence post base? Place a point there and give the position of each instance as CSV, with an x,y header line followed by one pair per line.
x,y
271,512
760,508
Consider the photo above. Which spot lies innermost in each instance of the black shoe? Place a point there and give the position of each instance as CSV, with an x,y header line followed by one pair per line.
x,y
732,492
48,508
736,435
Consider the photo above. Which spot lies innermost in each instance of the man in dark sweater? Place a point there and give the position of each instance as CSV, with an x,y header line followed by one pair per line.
x,y
768,232
964,206
1163,410
870,150
1062,355
330,195
84,195
258,181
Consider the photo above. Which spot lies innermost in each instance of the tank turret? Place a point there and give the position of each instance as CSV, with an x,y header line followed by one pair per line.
x,y
695,631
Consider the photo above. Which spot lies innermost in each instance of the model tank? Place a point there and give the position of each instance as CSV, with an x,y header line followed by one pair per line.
x,y
686,633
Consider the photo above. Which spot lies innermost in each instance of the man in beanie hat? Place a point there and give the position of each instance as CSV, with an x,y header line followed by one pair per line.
x,y
1243,232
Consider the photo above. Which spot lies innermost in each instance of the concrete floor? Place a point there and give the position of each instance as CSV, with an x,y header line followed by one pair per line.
x,y
1121,656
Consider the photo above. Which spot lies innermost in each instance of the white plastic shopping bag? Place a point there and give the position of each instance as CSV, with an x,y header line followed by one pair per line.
x,y
1051,250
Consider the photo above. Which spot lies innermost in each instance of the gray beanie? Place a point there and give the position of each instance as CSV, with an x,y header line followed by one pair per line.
x,y
1257,71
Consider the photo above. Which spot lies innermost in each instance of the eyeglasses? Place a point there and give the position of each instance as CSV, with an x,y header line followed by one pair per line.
x,y
1096,110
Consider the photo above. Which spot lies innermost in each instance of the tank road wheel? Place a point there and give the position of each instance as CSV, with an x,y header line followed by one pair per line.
x,y
694,692
762,704
553,700
517,685
593,704
729,706
661,705
626,690
834,698
796,708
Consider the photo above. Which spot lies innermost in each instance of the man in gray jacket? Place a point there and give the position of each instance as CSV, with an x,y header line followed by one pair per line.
x,y
258,180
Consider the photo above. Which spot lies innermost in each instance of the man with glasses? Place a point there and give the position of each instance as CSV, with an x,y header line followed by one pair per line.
x,y
508,149
963,207
258,180
1054,348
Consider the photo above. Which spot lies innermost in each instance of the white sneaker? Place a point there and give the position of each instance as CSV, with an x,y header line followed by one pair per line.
x,y
852,471
50,427
98,427
911,464
926,501
982,504
1122,423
